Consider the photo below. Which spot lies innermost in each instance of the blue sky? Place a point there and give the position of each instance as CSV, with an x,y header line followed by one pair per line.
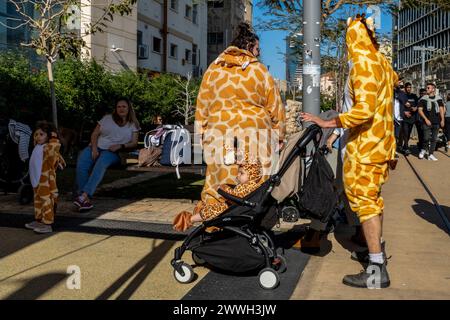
x,y
273,43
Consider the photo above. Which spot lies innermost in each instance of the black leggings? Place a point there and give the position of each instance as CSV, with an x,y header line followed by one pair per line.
x,y
405,134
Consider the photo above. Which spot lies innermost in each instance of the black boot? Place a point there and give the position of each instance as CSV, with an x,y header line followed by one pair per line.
x,y
374,277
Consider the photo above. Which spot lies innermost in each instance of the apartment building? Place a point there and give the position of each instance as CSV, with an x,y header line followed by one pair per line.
x,y
223,18
172,36
294,61
423,27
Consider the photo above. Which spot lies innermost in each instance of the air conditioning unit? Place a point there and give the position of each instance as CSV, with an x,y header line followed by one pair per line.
x,y
143,51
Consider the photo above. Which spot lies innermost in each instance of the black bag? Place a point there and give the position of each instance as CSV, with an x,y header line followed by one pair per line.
x,y
318,197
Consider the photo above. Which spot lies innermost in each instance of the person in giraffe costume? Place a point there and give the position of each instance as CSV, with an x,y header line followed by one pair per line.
x,y
371,143
249,179
44,161
238,98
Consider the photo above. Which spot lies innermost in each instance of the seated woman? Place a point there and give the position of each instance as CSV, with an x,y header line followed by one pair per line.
x,y
249,179
115,132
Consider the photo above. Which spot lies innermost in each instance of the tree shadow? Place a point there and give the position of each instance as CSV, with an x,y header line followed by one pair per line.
x,y
427,211
139,271
34,288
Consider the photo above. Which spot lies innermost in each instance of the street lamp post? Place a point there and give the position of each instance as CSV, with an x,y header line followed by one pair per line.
x,y
311,55
423,51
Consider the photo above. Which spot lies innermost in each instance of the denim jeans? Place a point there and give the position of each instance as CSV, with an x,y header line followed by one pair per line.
x,y
90,172
430,134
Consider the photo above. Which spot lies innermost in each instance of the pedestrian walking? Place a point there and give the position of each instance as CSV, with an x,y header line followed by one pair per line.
x,y
432,112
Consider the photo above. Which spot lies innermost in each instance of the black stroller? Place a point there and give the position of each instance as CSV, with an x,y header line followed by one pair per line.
x,y
14,175
244,242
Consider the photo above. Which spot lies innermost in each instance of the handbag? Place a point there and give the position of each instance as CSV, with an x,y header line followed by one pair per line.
x,y
149,156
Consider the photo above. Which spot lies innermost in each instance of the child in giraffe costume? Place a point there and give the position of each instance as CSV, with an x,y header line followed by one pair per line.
x,y
249,179
371,144
44,161
238,99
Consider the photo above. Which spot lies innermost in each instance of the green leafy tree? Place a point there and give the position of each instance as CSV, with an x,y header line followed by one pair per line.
x,y
50,37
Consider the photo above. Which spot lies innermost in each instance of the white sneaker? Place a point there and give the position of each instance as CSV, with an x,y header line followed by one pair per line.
x,y
432,157
45,228
33,225
422,154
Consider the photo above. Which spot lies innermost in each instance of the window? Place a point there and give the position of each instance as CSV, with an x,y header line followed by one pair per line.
x,y
194,54
156,44
188,12
174,5
139,37
215,38
173,50
187,55
215,4
195,14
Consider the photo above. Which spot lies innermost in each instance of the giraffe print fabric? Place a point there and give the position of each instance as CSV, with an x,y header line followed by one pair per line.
x,y
237,99
371,142
46,193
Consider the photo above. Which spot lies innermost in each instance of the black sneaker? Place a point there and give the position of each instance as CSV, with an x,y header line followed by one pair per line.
x,y
374,277
85,206
407,152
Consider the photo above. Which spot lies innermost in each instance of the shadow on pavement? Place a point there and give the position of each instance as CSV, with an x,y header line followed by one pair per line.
x,y
138,272
34,288
427,211
8,246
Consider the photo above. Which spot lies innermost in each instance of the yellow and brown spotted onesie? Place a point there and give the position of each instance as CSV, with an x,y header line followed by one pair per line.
x,y
46,193
237,95
253,169
371,142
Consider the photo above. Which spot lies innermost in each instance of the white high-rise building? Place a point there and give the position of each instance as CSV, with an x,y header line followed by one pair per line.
x,y
158,36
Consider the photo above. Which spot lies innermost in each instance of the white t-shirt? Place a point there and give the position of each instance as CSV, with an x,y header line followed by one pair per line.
x,y
111,133
36,161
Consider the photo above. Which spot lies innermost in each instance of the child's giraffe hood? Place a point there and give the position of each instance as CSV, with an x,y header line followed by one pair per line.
x,y
235,57
358,39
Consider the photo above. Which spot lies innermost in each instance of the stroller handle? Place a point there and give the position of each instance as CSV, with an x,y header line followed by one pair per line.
x,y
236,200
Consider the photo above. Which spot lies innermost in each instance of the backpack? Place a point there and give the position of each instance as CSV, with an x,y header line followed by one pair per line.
x,y
317,196
176,148
154,138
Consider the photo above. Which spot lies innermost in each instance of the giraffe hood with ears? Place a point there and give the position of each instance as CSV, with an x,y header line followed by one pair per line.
x,y
358,38
235,57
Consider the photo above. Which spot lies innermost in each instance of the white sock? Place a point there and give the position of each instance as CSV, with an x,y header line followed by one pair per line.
x,y
376,257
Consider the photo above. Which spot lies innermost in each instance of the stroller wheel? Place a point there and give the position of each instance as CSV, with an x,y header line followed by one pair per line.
x,y
198,261
188,274
280,264
25,194
268,279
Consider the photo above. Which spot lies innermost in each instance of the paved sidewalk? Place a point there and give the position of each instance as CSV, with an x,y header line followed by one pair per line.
x,y
34,266
415,238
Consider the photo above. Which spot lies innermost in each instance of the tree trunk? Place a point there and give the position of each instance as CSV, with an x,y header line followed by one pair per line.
x,y
52,92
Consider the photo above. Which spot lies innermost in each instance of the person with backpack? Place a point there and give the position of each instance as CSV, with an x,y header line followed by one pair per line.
x,y
370,150
432,112
238,99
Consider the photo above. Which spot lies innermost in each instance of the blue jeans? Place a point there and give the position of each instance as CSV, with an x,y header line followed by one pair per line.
x,y
90,172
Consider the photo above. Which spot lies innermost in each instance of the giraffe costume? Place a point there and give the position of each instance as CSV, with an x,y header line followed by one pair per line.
x,y
237,97
371,142
46,193
253,169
